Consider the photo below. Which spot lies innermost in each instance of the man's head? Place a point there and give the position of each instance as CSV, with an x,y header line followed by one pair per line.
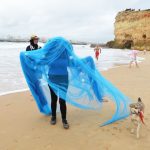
x,y
34,39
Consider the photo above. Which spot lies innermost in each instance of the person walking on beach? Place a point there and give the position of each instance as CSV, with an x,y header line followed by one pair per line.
x,y
33,43
97,51
144,51
133,57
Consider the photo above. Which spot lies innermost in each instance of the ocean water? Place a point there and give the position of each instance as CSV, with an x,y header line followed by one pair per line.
x,y
11,76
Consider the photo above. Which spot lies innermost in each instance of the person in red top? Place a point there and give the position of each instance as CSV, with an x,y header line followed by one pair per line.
x,y
97,51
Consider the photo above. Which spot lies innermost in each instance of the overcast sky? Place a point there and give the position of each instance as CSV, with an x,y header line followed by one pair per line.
x,y
87,20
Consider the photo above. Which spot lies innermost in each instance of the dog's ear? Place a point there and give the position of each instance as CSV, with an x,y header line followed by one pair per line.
x,y
139,99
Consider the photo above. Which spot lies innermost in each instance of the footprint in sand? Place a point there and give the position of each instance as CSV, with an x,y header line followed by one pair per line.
x,y
49,146
103,129
108,130
107,147
8,105
38,137
120,130
16,141
115,128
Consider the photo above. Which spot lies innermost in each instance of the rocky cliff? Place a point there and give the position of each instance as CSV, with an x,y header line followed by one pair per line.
x,y
132,29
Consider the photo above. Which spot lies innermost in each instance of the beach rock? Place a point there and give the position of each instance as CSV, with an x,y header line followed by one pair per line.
x,y
132,29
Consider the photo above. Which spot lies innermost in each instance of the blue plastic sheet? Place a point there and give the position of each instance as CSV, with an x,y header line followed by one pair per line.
x,y
75,80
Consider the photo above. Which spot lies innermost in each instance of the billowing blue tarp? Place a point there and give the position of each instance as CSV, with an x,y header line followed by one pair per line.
x,y
75,80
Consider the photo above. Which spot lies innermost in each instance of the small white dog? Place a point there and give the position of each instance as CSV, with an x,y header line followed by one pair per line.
x,y
137,116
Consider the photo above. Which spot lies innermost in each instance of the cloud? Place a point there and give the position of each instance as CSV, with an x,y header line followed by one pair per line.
x,y
87,20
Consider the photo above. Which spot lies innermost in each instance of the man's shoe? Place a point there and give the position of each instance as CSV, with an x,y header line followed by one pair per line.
x,y
65,124
53,120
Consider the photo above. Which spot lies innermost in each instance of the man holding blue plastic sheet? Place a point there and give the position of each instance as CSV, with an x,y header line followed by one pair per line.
x,y
57,73
87,87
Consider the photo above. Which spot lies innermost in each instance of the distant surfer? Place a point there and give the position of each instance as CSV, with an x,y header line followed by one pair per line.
x,y
97,51
33,43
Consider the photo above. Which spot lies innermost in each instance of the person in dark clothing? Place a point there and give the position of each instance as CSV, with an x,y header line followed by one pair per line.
x,y
54,106
33,43
62,102
59,76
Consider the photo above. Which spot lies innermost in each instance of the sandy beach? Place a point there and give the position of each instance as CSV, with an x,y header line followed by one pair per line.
x,y
22,127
